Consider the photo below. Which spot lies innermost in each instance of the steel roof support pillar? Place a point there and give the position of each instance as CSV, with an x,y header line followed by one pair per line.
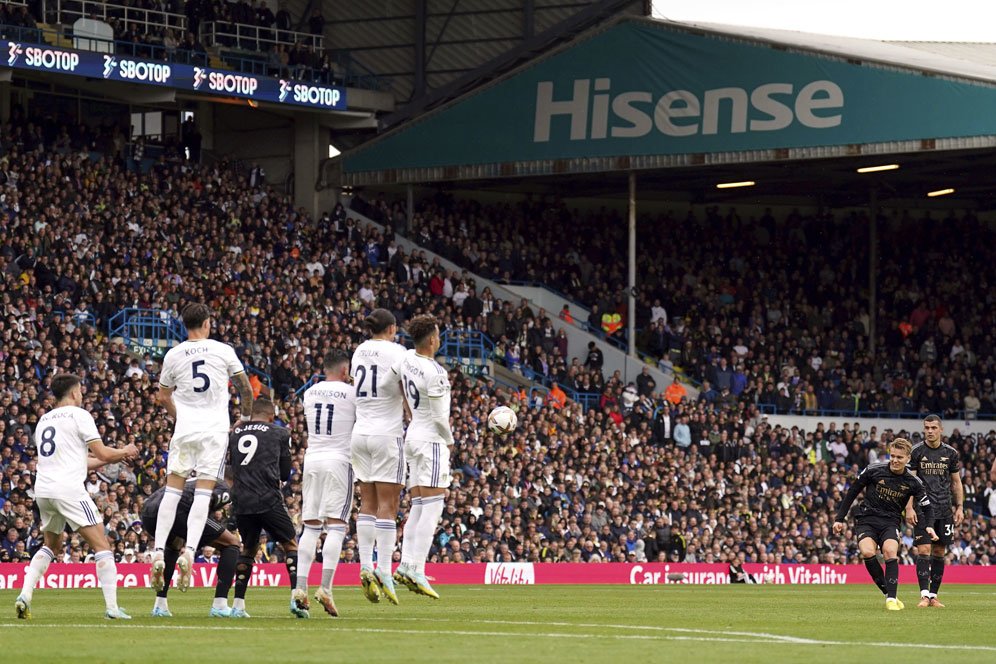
x,y
872,269
631,290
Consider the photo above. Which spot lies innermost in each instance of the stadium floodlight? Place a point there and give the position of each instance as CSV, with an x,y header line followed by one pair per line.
x,y
876,169
940,192
732,185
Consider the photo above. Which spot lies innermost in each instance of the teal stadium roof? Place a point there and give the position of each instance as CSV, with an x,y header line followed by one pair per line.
x,y
640,93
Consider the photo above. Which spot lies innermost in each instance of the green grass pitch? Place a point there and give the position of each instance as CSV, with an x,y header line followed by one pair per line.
x,y
517,624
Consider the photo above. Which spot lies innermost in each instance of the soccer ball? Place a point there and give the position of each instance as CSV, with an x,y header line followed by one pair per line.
x,y
502,420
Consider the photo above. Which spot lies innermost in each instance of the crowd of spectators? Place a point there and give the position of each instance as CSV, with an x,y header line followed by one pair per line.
x,y
635,477
172,31
735,303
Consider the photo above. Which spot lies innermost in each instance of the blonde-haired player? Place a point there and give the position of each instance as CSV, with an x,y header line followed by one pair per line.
x,y
427,450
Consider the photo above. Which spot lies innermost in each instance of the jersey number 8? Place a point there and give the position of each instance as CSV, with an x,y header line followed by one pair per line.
x,y
47,447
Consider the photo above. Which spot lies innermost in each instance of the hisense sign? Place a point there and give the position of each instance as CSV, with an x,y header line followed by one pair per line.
x,y
592,110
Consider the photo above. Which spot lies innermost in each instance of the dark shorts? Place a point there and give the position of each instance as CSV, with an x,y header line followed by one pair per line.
x,y
277,524
944,527
879,530
212,529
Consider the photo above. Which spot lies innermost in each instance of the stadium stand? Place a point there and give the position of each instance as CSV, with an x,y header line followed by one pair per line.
x,y
733,303
635,476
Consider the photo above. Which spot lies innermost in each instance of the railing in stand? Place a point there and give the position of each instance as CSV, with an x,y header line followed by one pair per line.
x,y
256,38
152,331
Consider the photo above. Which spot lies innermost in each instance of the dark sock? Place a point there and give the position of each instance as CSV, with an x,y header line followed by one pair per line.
x,y
923,572
891,578
875,571
226,570
243,572
936,573
291,562
169,558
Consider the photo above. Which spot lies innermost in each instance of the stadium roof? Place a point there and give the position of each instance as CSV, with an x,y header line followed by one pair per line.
x,y
966,60
935,102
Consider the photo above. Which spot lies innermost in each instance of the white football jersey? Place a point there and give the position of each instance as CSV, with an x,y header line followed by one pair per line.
x,y
423,379
199,370
330,411
62,438
379,409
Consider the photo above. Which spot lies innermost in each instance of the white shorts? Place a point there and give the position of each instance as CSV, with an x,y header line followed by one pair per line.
x,y
78,513
378,458
428,464
327,489
204,453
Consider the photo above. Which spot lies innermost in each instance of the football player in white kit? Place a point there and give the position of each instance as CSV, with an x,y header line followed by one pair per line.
x,y
193,387
63,436
327,491
427,450
377,451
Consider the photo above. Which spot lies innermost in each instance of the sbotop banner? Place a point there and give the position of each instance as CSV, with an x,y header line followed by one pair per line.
x,y
188,78
643,87
274,575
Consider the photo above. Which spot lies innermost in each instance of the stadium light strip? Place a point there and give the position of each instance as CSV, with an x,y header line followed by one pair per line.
x,y
731,185
940,192
876,169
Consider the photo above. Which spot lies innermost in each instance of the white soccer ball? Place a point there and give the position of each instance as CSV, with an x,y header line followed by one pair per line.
x,y
502,420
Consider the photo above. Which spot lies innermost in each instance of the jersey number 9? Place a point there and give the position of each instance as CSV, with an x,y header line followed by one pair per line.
x,y
247,446
412,391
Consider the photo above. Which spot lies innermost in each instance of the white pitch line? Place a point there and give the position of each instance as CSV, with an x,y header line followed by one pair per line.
x,y
758,637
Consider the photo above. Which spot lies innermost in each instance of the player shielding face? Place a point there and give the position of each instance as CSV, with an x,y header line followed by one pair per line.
x,y
193,387
427,450
63,438
938,466
377,451
327,486
887,488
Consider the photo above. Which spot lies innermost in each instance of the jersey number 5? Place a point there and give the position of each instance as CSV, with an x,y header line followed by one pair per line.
x,y
361,377
247,446
203,376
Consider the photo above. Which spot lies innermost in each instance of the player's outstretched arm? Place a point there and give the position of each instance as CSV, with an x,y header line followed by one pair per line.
x,y
244,387
852,494
106,454
910,512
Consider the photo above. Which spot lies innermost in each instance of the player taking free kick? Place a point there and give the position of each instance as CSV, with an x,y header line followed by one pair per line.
x,y
887,488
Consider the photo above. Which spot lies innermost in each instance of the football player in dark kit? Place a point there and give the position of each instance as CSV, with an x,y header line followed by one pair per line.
x,y
937,465
887,488
215,534
260,461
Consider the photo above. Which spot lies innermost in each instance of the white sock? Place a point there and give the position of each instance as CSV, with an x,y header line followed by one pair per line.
x,y
166,516
387,538
331,550
197,518
306,546
365,530
432,510
220,603
239,603
107,574
36,570
162,603
408,535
